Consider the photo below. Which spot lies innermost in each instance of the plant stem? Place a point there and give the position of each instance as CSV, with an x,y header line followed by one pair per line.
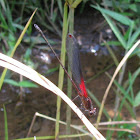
x,y
69,91
61,71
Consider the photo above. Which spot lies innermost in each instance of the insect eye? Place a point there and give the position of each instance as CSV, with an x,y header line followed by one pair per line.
x,y
91,112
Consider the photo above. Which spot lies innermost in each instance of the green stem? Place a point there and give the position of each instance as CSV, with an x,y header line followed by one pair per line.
x,y
69,91
5,123
61,71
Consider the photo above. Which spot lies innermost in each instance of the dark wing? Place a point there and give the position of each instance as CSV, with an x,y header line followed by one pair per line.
x,y
74,59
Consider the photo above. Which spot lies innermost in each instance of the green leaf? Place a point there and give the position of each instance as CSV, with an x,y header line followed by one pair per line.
x,y
115,43
136,52
27,84
52,70
137,100
3,4
135,7
20,84
11,82
15,47
113,27
5,123
133,38
117,16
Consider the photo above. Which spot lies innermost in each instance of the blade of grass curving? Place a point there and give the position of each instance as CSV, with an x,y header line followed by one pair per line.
x,y
133,38
28,72
5,123
119,17
114,75
15,47
22,34
61,71
113,27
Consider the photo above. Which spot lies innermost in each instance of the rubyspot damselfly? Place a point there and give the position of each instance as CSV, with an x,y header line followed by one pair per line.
x,y
75,65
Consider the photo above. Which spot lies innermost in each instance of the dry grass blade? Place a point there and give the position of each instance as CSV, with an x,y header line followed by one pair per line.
x,y
119,122
26,71
119,129
77,127
114,75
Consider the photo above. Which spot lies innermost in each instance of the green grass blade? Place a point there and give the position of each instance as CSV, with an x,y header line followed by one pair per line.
x,y
15,47
3,4
137,100
60,6
61,71
119,17
9,18
22,34
69,90
113,27
133,38
127,105
24,83
3,21
5,123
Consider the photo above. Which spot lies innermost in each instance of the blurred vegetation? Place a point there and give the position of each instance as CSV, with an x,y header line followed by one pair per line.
x,y
123,17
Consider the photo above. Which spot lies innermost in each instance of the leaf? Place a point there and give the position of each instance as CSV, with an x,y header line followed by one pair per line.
x,y
20,84
112,43
11,82
15,47
137,100
133,38
5,123
117,16
27,84
113,27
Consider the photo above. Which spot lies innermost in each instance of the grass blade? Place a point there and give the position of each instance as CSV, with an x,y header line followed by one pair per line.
x,y
133,38
114,75
113,27
61,71
15,47
26,71
5,123
119,17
